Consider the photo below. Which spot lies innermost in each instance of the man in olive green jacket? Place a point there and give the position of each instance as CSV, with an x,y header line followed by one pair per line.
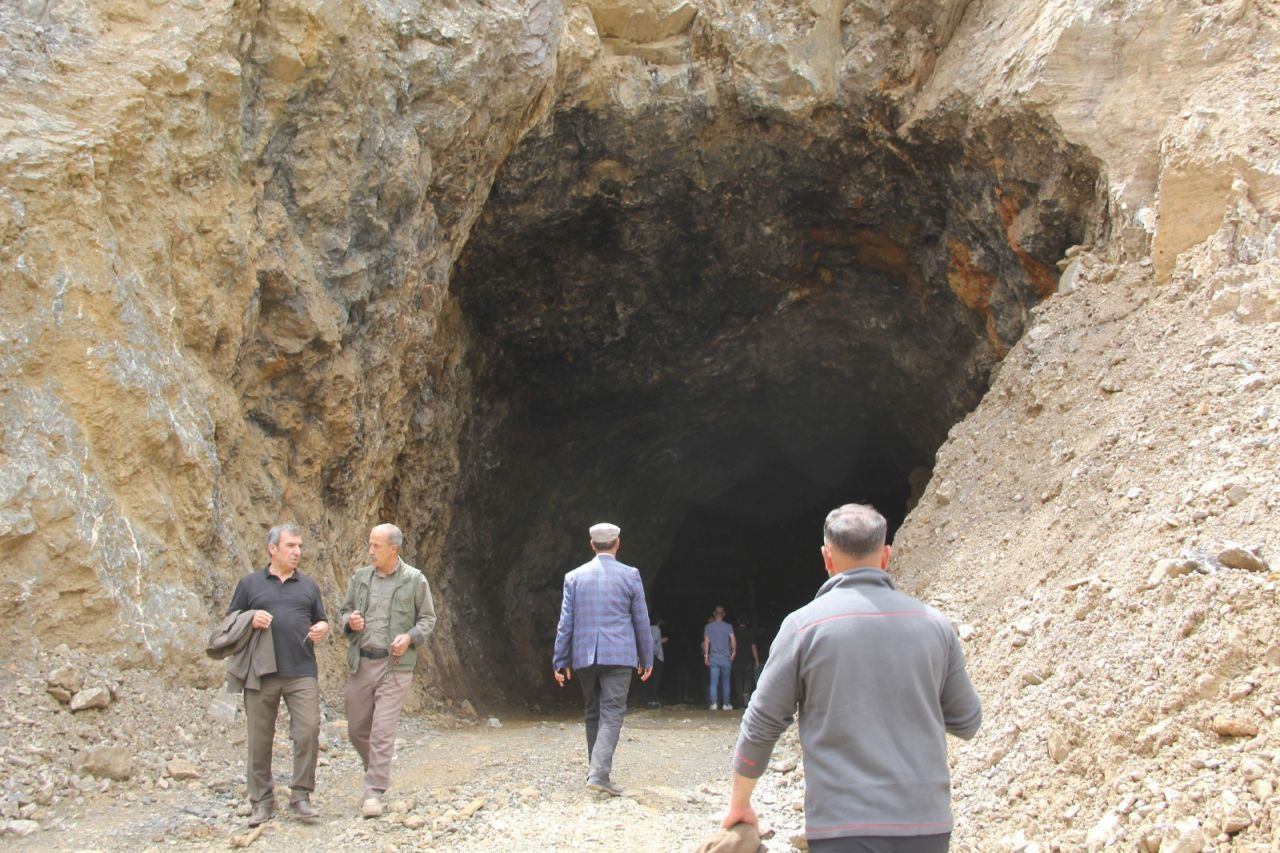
x,y
386,616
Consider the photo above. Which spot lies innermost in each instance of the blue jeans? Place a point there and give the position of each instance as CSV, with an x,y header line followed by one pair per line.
x,y
719,677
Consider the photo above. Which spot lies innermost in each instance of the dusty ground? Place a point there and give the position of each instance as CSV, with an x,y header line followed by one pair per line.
x,y
458,785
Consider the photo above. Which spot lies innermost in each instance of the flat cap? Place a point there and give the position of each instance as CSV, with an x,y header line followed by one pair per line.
x,y
604,532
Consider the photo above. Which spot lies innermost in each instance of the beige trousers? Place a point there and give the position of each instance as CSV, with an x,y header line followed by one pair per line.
x,y
302,697
375,695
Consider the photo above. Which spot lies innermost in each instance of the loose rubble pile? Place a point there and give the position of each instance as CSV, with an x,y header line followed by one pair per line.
x,y
1104,532
81,739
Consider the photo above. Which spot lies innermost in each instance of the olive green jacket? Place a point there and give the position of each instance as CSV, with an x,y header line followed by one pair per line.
x,y
412,613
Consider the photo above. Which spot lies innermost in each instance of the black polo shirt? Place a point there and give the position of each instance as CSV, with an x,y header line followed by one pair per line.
x,y
294,606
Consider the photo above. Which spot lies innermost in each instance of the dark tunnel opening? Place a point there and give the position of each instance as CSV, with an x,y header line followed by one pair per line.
x,y
754,551
711,332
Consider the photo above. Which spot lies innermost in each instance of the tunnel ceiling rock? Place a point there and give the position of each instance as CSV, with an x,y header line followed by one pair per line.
x,y
342,263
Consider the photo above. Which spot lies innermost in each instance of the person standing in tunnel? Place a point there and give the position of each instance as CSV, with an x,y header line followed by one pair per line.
x,y
603,634
746,662
386,615
719,647
659,657
878,679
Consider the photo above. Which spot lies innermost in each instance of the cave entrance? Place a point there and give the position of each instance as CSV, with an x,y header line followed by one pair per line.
x,y
754,548
711,331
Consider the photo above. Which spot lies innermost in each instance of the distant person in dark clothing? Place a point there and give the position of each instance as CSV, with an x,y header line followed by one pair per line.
x,y
746,663
718,650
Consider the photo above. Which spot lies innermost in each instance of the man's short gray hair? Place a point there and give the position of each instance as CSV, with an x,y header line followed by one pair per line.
x,y
394,536
273,535
855,530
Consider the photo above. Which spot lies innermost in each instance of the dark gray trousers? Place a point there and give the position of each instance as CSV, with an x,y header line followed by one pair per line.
x,y
604,689
302,696
883,844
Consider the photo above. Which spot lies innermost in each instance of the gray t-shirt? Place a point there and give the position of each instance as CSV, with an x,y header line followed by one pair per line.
x,y
719,634
876,679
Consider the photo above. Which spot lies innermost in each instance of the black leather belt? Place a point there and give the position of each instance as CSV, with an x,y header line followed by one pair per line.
x,y
374,654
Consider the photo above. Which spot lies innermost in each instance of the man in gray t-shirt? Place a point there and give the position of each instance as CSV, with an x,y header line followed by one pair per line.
x,y
718,649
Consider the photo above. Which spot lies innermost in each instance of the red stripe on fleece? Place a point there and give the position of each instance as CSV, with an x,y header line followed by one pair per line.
x,y
743,758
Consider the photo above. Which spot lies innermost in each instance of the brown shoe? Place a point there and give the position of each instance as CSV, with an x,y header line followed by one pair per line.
x,y
262,812
302,808
372,807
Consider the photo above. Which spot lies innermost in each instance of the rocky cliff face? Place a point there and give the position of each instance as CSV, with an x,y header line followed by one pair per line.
x,y
227,240
491,269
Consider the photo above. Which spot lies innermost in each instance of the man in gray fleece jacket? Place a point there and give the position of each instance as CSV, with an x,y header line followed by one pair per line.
x,y
879,680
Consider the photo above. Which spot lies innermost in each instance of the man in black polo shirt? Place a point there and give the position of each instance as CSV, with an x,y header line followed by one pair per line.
x,y
288,603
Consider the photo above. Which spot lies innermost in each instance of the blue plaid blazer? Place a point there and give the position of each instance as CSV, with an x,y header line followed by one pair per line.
x,y
603,617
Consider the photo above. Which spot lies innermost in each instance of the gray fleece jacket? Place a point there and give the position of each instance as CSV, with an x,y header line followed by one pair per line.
x,y
879,679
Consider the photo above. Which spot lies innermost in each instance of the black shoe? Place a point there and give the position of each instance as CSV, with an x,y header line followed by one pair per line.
x,y
262,812
605,787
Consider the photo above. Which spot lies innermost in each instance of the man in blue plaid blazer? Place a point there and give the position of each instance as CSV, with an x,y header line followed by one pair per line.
x,y
603,634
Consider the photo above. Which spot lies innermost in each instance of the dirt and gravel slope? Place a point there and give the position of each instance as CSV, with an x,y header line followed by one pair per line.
x,y
1104,531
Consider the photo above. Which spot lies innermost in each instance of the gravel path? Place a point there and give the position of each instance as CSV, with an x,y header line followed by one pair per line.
x,y
515,786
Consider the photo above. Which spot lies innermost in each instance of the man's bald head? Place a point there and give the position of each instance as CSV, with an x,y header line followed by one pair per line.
x,y
393,534
855,530
384,547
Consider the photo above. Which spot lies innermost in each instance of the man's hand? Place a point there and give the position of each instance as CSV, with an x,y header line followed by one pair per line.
x,y
400,644
318,631
706,660
563,675
355,621
740,814
644,673
261,619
